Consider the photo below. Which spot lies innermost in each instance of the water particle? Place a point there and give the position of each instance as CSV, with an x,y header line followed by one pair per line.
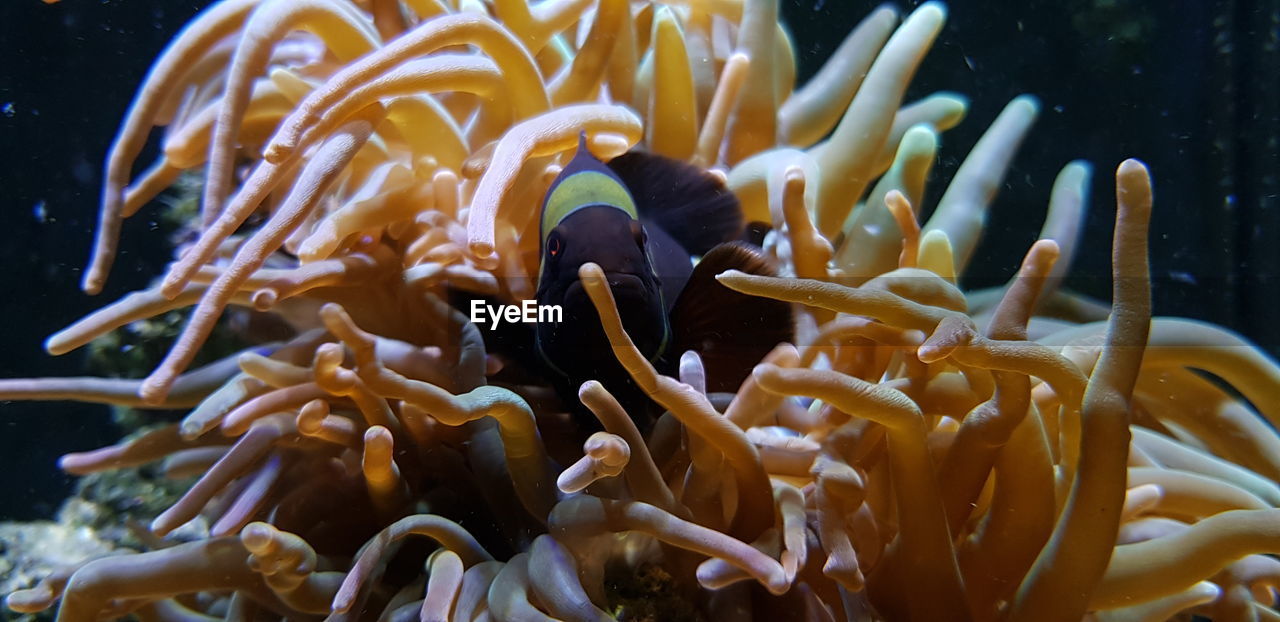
x,y
1059,108
40,212
8,109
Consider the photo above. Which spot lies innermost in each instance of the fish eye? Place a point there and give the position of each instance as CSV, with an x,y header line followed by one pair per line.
x,y
555,245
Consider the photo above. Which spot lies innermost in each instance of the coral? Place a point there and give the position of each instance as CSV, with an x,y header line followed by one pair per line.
x,y
106,516
33,551
920,453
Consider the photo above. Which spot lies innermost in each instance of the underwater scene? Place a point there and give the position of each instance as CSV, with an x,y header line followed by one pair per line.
x,y
587,310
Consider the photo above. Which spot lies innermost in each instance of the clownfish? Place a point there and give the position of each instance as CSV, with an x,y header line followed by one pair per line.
x,y
660,230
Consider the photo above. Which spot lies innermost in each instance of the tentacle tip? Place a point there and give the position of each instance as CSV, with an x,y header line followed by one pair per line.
x,y
778,584
931,353
276,153
160,526
155,389
934,10
569,485
790,569
481,249
307,426
764,373
588,387
313,252
256,536
264,299
190,430
1046,245
171,287
956,97
922,133
378,436
706,574
55,345
793,177
887,7
344,600
729,276
1029,101
851,578
69,464
221,529
1132,166
332,312
33,600
92,284
1084,166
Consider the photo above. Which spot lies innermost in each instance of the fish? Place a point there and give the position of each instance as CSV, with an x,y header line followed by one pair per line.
x,y
660,230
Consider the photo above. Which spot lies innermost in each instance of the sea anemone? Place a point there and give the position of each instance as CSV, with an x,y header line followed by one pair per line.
x,y
919,454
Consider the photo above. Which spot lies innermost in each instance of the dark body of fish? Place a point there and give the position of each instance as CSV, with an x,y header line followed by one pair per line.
x,y
642,218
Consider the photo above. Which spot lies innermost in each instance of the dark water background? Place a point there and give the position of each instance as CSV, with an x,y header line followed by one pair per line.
x,y
1188,86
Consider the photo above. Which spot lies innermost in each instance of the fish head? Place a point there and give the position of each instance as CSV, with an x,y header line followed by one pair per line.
x,y
619,245
589,215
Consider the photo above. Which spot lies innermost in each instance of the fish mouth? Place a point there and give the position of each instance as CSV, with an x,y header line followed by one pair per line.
x,y
624,285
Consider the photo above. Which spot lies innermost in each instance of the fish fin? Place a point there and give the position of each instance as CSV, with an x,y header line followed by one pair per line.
x,y
692,205
731,331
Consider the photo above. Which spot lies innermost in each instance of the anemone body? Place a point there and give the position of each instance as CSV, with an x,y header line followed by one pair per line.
x,y
920,453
